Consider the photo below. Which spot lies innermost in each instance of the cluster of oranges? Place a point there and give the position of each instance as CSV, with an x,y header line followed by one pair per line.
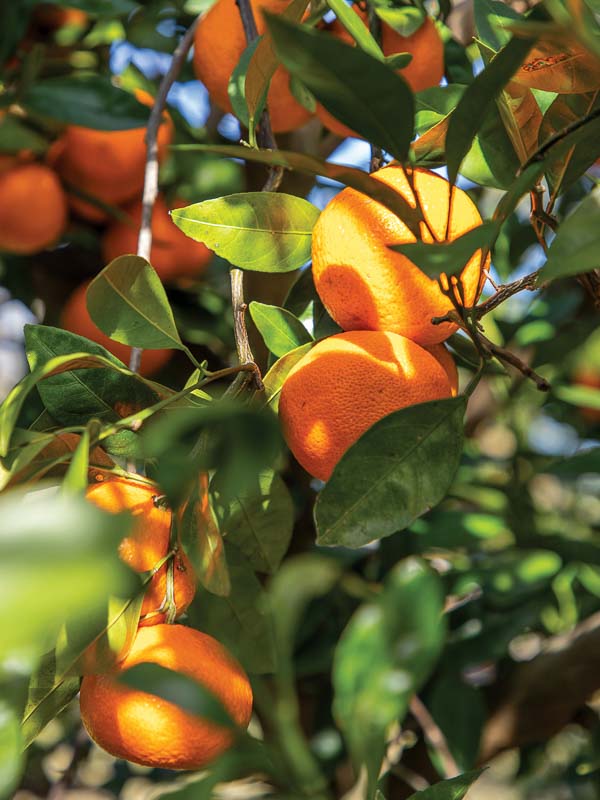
x,y
137,725
390,354
216,56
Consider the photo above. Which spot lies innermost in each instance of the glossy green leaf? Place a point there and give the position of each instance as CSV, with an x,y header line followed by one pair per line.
x,y
470,112
58,559
127,302
91,100
236,88
359,90
273,380
383,657
575,246
74,396
401,467
349,176
262,231
280,329
356,28
451,789
259,521
239,620
437,257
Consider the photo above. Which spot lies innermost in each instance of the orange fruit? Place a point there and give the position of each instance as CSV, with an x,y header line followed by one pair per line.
x,y
33,208
148,542
174,255
424,71
107,164
76,318
156,596
218,46
146,729
443,356
51,16
345,384
366,286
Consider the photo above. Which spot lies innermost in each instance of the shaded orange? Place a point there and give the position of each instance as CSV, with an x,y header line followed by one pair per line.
x,y
218,46
51,16
76,318
107,164
174,255
425,70
33,208
148,542
184,589
444,357
366,286
345,384
144,728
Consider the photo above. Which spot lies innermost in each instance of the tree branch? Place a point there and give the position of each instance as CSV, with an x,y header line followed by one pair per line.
x,y
434,736
150,190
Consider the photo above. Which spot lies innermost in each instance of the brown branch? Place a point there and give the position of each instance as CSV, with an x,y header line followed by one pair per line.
x,y
150,190
511,358
505,291
543,695
434,736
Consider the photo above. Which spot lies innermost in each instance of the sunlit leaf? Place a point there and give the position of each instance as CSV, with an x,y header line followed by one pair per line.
x,y
280,329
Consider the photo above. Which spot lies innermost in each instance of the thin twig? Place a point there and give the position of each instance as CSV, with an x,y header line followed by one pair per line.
x,y
510,358
434,736
505,291
150,190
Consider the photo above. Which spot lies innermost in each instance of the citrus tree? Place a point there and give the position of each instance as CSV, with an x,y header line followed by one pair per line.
x,y
301,486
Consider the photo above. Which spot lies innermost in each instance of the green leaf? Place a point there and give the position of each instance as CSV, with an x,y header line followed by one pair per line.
x,y
450,257
447,701
259,521
239,620
236,88
582,396
90,100
575,247
179,689
68,547
349,176
127,302
587,461
359,90
262,231
470,112
401,467
74,396
273,380
16,136
490,18
383,657
280,329
451,789
101,8
356,28
11,749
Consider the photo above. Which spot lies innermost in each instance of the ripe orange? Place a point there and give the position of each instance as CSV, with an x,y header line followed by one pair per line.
x,y
366,286
345,384
218,45
51,16
174,255
76,318
425,70
148,542
107,164
156,596
443,356
148,730
33,208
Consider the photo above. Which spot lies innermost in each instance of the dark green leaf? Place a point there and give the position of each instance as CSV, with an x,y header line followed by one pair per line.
x,y
359,90
402,466
451,257
460,711
452,789
280,329
262,231
91,100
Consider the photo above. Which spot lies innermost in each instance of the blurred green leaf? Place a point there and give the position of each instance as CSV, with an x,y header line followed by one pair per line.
x,y
460,711
262,231
58,559
402,466
202,540
90,100
127,302
451,789
280,329
11,749
384,655
491,17
575,247
108,8
587,461
359,90
16,136
76,477
259,521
